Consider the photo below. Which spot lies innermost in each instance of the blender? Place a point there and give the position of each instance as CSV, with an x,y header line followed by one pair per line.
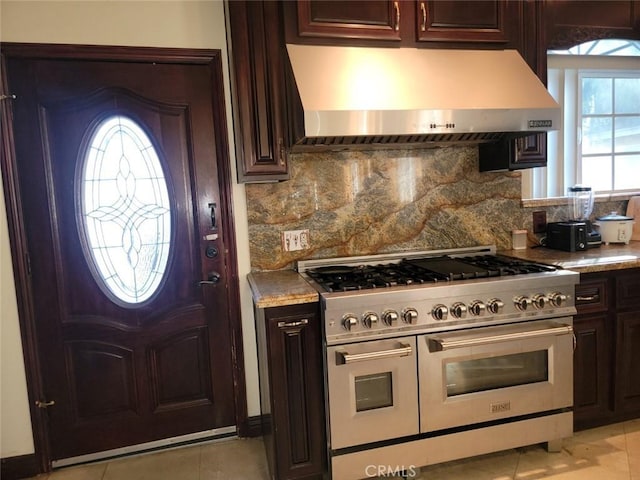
x,y
576,233
580,208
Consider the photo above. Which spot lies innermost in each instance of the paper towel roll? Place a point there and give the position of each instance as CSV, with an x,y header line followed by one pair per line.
x,y
633,210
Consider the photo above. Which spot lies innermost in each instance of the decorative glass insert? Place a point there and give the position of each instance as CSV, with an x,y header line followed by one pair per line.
x,y
126,216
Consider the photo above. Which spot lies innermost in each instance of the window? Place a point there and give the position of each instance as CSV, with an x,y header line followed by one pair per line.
x,y
597,84
125,209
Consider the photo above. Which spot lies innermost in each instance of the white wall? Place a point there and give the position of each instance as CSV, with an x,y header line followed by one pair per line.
x,y
183,24
15,424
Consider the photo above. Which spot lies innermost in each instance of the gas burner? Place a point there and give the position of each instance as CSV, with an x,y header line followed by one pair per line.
x,y
343,278
426,270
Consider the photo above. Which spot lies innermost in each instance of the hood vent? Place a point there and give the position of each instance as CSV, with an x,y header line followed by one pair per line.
x,y
362,97
433,139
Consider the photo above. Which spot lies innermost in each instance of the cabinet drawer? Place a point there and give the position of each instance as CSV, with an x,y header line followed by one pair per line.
x,y
628,290
592,295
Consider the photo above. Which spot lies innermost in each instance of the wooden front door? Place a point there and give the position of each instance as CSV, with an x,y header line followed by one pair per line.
x,y
123,186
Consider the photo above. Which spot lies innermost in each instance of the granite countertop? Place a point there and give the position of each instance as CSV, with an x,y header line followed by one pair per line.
x,y
279,288
286,287
606,257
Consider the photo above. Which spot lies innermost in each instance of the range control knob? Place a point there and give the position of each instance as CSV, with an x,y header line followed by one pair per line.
x,y
557,299
539,301
390,318
459,310
477,308
521,302
370,319
440,312
495,305
349,321
410,315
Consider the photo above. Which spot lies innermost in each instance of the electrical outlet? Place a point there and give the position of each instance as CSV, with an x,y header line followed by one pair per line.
x,y
295,240
539,222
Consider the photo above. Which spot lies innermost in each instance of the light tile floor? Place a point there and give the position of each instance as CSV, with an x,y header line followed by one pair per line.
x,y
605,453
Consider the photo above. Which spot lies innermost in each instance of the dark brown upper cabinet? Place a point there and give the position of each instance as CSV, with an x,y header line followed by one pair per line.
x,y
471,23
487,22
363,19
440,23
515,154
257,68
572,22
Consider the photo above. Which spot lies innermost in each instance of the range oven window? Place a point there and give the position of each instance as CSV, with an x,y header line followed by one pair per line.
x,y
482,374
373,391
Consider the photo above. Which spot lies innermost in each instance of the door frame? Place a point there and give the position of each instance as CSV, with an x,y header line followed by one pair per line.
x,y
16,226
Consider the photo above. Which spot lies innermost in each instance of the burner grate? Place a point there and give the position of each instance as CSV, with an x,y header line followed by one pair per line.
x,y
508,265
344,278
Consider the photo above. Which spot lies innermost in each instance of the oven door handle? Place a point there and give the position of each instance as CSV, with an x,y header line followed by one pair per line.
x,y
343,358
438,344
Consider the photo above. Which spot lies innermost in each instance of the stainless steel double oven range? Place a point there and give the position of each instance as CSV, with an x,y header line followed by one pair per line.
x,y
438,355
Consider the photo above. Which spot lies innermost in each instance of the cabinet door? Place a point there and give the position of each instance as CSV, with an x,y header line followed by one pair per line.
x,y
470,21
591,370
256,53
628,363
628,341
514,154
372,19
531,152
297,399
628,289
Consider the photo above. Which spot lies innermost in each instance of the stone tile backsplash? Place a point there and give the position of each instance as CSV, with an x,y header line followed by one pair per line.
x,y
368,202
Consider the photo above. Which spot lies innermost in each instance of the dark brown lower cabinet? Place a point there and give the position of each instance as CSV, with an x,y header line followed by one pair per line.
x,y
607,354
592,362
628,381
291,390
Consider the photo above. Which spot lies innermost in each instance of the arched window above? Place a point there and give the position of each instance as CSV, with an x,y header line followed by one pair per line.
x,y
605,47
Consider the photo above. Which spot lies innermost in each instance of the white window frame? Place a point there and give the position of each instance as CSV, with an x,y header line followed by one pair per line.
x,y
563,146
614,75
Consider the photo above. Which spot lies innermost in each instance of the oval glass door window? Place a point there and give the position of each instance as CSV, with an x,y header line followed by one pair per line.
x,y
126,215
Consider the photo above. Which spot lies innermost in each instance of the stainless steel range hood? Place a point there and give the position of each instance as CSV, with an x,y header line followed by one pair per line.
x,y
361,96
